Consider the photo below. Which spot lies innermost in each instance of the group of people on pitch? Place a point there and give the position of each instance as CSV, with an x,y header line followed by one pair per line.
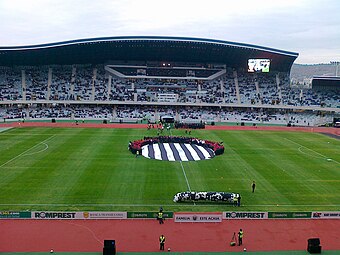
x,y
232,243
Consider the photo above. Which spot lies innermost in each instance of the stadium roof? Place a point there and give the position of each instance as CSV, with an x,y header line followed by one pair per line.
x,y
330,82
145,48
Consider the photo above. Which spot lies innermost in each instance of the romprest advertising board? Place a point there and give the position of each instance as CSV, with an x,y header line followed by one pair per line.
x,y
57,215
199,217
245,215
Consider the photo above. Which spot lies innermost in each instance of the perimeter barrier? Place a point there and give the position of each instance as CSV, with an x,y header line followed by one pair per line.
x,y
177,216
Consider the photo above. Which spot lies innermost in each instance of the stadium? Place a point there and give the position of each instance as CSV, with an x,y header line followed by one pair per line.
x,y
99,135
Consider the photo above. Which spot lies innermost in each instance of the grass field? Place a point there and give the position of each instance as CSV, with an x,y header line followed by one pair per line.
x,y
91,169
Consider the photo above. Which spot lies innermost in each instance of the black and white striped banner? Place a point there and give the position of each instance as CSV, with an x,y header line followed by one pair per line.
x,y
177,152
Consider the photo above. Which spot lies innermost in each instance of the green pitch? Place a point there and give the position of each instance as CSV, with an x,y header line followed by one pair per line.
x,y
92,169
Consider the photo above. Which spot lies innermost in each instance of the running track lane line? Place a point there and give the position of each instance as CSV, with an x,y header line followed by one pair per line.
x,y
23,153
88,229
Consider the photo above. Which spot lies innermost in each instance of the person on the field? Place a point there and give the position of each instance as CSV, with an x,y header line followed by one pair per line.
x,y
160,217
235,201
161,242
239,200
240,237
253,186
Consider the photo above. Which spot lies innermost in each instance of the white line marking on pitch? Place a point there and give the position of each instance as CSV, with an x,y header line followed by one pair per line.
x,y
301,146
4,129
308,154
24,153
185,175
46,147
186,179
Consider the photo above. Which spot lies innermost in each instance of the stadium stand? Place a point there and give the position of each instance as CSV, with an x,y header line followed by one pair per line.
x,y
141,86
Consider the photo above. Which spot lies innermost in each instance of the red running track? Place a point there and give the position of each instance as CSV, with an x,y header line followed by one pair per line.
x,y
142,235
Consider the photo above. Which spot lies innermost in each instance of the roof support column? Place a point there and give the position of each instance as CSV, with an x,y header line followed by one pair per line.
x,y
237,87
23,84
94,79
259,96
114,112
277,77
73,80
109,83
222,90
49,82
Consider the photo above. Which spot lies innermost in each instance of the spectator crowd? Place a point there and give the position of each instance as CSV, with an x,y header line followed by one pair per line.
x,y
91,92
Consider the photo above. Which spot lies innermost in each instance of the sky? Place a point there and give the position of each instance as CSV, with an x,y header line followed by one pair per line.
x,y
308,27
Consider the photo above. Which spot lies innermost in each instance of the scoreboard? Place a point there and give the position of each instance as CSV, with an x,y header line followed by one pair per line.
x,y
258,65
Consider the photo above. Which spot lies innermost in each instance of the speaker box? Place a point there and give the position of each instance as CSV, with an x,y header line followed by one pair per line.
x,y
314,241
109,251
109,247
109,243
53,120
314,249
314,245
